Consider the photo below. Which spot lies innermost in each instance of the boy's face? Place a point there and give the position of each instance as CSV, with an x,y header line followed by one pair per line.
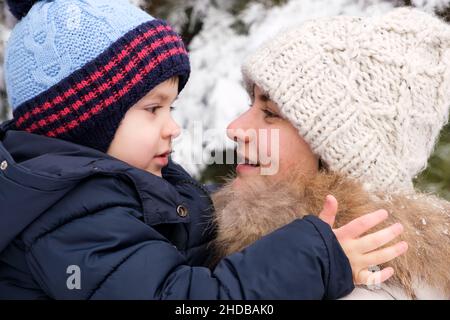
x,y
144,137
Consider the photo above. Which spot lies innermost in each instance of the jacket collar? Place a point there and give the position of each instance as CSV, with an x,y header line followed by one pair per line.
x,y
48,164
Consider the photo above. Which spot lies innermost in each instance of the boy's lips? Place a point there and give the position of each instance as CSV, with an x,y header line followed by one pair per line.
x,y
164,154
163,158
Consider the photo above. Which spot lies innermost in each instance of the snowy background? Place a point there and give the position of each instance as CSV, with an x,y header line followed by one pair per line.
x,y
219,35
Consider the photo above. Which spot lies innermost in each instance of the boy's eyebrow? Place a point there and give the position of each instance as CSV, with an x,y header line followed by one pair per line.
x,y
159,96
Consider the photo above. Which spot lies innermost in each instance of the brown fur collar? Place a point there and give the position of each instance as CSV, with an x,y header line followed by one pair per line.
x,y
257,207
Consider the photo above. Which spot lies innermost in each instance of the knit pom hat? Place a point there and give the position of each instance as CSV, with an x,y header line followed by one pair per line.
x,y
369,95
74,67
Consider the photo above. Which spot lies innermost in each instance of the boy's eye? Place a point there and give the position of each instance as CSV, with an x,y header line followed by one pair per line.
x,y
153,109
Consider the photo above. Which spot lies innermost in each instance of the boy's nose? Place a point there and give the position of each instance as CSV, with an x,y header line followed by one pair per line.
x,y
172,129
176,131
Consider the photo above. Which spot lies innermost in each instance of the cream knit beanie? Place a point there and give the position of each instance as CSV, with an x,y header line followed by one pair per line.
x,y
369,95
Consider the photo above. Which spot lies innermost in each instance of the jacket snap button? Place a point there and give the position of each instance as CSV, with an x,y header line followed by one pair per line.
x,y
4,165
182,211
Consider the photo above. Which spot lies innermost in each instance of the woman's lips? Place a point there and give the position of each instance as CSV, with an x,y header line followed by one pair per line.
x,y
247,168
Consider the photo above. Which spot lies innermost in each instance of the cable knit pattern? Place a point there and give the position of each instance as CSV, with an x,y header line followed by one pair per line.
x,y
73,68
58,37
369,95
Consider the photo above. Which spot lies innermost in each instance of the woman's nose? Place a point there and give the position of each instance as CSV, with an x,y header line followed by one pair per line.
x,y
238,129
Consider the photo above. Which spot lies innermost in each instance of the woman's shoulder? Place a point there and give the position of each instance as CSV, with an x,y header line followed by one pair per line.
x,y
390,292
364,293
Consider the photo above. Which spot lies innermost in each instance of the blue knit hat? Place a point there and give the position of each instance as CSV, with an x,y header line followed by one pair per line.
x,y
74,67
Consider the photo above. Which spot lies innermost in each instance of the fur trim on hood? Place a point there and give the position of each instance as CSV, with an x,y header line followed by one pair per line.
x,y
257,207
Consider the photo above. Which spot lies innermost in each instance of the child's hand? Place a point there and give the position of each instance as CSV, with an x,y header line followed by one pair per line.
x,y
362,251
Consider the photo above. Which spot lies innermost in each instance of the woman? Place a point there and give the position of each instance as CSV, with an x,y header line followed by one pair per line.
x,y
358,104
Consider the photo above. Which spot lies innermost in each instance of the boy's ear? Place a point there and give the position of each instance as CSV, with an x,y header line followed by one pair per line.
x,y
175,79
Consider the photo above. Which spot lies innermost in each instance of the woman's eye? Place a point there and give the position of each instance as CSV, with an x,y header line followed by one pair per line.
x,y
270,114
172,108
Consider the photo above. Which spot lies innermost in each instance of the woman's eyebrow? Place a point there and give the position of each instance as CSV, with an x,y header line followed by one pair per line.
x,y
264,97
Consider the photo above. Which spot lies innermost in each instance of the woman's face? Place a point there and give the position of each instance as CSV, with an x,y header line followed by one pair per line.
x,y
268,144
